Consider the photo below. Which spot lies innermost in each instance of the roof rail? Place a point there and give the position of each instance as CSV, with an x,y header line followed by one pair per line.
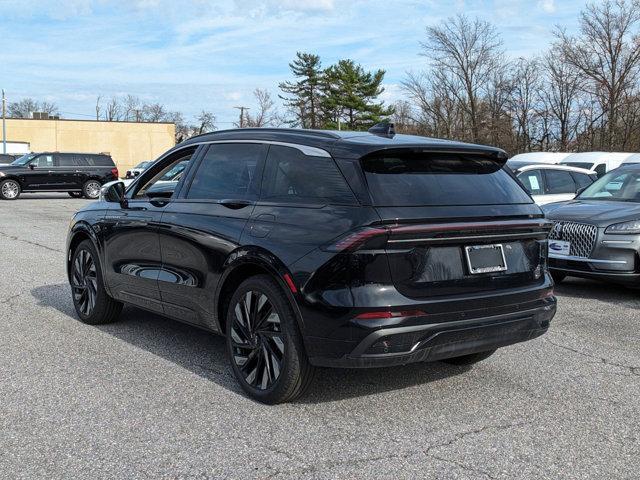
x,y
295,131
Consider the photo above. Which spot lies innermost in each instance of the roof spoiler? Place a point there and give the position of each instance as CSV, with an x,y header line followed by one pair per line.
x,y
383,129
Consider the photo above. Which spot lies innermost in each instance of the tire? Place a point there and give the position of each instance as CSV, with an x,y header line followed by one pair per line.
x,y
9,189
265,347
469,359
75,194
91,189
90,299
558,276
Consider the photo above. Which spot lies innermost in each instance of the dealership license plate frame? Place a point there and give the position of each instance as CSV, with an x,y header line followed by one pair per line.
x,y
561,248
474,249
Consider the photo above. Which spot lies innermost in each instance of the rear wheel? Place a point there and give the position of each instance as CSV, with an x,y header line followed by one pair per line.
x,y
91,189
75,194
264,344
470,359
558,276
90,299
9,189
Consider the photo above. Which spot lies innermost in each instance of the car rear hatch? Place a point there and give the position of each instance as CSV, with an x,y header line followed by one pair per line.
x,y
454,223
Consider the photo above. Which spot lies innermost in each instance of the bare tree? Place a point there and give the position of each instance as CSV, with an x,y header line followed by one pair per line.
x,y
131,108
206,123
607,52
112,112
523,101
466,53
25,108
153,112
265,110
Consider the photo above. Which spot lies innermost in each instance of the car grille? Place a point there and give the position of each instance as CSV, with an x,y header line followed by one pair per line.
x,y
581,236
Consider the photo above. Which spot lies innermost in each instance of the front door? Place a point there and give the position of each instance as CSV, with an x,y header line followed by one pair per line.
x,y
39,175
132,247
203,225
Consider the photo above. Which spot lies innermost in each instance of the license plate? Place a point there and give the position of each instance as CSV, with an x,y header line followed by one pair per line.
x,y
485,258
559,247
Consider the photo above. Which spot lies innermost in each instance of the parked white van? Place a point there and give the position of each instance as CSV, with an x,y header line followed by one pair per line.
x,y
598,162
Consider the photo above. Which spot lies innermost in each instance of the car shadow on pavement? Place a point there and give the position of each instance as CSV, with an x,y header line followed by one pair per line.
x,y
602,291
204,353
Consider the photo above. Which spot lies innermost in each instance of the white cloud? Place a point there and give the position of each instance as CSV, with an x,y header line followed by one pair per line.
x,y
268,6
548,6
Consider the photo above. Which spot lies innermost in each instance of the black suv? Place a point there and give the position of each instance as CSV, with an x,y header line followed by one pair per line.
x,y
79,174
318,248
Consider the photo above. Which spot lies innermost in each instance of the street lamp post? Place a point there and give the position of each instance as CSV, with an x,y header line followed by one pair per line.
x,y
4,123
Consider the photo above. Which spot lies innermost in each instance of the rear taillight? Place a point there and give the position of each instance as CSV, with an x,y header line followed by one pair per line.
x,y
114,172
369,237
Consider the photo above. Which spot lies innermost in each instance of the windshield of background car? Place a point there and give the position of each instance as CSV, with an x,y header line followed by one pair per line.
x,y
618,185
23,160
143,165
432,179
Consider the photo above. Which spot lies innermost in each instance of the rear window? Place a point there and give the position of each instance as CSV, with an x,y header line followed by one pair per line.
x,y
414,179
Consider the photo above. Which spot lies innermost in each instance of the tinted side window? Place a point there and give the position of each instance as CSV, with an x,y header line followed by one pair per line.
x,y
43,161
66,160
228,171
560,182
581,179
532,181
292,176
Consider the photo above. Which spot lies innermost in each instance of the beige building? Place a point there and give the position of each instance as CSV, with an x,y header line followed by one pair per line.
x,y
128,143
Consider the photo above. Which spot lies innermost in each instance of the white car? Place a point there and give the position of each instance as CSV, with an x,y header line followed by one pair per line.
x,y
137,170
548,183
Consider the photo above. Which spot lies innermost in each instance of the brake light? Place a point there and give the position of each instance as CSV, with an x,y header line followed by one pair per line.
x,y
115,173
389,314
354,240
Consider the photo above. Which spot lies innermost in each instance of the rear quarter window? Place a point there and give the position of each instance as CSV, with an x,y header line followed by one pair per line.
x,y
99,160
293,177
439,179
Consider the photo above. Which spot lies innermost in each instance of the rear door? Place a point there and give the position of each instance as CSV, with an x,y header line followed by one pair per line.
x,y
560,185
203,226
67,171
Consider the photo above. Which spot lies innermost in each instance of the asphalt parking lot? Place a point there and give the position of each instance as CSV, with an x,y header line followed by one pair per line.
x,y
151,398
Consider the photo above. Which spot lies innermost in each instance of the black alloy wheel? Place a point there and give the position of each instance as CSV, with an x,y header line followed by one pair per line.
x,y
257,340
264,343
84,282
92,303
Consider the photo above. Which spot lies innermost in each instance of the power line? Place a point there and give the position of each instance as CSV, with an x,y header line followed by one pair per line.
x,y
242,109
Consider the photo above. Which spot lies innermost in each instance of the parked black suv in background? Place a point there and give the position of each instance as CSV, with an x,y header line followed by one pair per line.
x,y
79,174
317,248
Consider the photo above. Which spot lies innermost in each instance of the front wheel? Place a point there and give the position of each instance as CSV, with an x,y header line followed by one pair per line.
x,y
90,299
264,344
469,359
9,189
91,189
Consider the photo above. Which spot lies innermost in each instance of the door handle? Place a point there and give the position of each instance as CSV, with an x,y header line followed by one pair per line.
x,y
235,204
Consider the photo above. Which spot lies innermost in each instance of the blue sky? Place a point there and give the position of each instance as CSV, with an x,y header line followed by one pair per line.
x,y
196,54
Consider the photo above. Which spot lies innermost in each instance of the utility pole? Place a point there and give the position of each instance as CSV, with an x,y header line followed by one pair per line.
x,y
242,109
4,123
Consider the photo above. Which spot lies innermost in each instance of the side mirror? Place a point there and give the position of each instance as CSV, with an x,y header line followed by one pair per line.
x,y
31,166
113,192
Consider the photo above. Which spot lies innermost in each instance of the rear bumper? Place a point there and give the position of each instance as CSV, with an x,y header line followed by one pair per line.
x,y
445,339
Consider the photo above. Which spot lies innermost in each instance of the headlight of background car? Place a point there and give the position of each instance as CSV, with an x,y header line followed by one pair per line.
x,y
629,228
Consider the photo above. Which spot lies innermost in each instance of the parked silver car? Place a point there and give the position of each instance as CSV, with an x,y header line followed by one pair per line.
x,y
597,235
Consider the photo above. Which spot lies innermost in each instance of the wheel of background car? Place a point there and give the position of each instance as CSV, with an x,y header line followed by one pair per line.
x,y
91,189
469,359
75,194
91,301
264,344
9,189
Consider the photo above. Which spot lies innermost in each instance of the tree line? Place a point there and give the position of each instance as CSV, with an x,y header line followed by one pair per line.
x,y
582,94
